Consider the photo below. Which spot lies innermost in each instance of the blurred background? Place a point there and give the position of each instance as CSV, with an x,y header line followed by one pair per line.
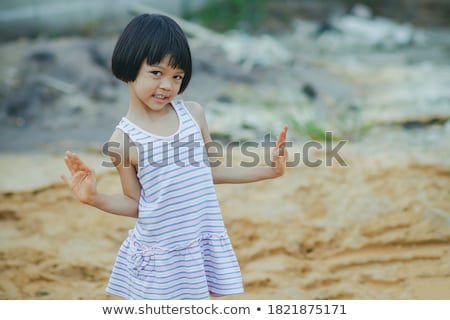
x,y
344,66
374,73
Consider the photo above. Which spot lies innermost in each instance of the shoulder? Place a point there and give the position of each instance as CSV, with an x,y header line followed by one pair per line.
x,y
120,148
195,109
198,114
117,139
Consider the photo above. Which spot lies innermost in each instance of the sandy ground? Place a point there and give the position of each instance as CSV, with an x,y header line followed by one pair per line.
x,y
376,229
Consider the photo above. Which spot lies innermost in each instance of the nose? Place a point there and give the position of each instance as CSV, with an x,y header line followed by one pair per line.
x,y
165,84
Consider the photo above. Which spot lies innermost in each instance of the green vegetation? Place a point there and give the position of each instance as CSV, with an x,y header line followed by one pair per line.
x,y
309,129
316,132
224,15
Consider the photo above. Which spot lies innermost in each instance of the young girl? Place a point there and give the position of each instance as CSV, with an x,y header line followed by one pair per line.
x,y
179,247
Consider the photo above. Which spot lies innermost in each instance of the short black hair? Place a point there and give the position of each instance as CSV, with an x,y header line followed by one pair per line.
x,y
151,37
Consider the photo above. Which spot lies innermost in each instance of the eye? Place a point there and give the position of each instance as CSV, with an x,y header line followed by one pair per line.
x,y
178,78
156,73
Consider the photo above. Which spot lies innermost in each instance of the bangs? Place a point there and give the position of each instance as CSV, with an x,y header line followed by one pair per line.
x,y
180,56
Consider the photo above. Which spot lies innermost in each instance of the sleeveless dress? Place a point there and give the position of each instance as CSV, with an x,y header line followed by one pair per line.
x,y
179,247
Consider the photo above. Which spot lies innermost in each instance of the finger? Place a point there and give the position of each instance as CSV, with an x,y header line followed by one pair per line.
x,y
69,164
74,158
282,136
83,166
79,164
69,158
281,149
73,163
281,146
66,181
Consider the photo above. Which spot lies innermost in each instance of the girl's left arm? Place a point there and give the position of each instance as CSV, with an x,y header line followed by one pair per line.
x,y
238,174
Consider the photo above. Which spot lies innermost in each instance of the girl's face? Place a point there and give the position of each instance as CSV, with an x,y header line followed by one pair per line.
x,y
156,85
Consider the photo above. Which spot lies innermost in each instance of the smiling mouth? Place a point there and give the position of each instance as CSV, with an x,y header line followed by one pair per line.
x,y
159,97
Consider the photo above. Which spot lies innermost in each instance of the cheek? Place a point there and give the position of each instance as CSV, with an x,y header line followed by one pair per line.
x,y
178,86
144,87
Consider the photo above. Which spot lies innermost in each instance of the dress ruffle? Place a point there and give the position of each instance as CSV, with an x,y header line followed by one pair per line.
x,y
208,261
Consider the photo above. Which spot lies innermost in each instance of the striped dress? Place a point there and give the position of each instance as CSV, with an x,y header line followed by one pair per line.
x,y
179,247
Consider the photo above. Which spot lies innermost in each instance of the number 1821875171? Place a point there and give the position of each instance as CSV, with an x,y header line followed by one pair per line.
x,y
306,309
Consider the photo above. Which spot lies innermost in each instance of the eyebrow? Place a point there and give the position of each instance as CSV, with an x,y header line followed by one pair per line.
x,y
160,66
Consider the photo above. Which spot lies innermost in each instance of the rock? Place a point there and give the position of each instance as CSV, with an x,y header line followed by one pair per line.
x,y
249,51
378,32
309,91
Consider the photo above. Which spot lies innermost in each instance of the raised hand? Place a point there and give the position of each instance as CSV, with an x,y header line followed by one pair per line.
x,y
280,152
82,182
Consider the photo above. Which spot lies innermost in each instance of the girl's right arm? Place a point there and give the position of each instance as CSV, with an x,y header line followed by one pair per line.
x,y
84,185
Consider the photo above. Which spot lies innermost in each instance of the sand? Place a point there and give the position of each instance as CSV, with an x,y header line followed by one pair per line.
x,y
376,229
